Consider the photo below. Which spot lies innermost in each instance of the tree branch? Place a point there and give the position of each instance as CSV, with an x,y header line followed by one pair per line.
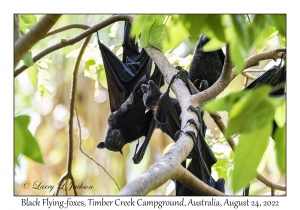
x,y
169,165
64,43
67,27
68,174
271,54
26,42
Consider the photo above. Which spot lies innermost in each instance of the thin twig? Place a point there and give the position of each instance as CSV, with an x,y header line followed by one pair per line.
x,y
247,75
248,18
245,82
254,70
64,43
80,148
273,192
68,174
67,27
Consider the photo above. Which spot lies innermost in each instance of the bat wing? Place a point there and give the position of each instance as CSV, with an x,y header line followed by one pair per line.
x,y
122,76
273,76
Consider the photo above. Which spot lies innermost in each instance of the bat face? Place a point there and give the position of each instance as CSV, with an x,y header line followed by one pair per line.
x,y
114,141
151,95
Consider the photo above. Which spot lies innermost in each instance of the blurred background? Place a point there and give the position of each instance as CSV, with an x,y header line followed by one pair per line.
x,y
43,93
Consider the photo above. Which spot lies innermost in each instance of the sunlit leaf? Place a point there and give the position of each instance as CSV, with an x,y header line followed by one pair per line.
x,y
213,44
28,61
89,63
280,139
27,22
157,34
264,39
145,33
171,40
280,116
142,20
238,54
26,143
32,72
194,24
280,23
248,154
283,41
101,75
255,29
215,27
223,104
251,111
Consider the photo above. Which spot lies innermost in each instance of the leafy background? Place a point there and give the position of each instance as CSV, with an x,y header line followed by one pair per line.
x,y
42,101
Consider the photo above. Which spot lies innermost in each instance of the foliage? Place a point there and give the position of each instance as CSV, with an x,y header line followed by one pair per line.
x,y
25,143
251,113
232,29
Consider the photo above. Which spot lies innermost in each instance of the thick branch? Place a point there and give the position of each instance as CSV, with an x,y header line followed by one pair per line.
x,y
169,165
64,43
167,168
26,42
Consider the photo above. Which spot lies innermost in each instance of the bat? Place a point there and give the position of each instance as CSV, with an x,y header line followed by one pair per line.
x,y
128,120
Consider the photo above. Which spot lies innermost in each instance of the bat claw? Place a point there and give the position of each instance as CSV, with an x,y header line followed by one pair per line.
x,y
178,134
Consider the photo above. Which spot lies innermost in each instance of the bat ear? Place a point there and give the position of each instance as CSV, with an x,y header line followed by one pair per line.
x,y
101,145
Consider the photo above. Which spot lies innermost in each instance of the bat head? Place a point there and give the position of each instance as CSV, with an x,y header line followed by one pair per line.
x,y
151,95
114,141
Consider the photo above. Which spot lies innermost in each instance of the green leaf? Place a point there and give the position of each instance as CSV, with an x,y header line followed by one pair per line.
x,y
28,61
239,24
157,34
145,34
224,103
280,23
238,55
251,111
32,73
280,146
25,143
89,63
29,20
171,40
215,27
280,116
257,26
194,24
141,20
101,75
264,39
282,41
213,44
248,154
